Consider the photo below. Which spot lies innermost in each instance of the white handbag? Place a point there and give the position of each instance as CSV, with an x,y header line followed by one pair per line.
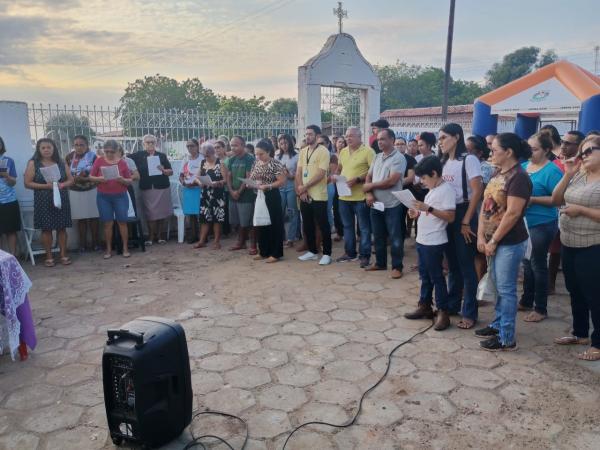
x,y
261,212
486,289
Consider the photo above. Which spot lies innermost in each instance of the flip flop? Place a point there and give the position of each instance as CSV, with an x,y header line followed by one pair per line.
x,y
107,256
161,242
271,260
571,340
534,316
65,261
591,354
148,243
253,251
463,324
49,263
126,254
199,245
236,247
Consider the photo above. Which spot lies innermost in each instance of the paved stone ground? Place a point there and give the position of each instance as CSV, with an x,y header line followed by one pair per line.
x,y
286,343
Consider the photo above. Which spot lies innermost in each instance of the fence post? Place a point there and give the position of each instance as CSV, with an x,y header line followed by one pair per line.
x,y
14,129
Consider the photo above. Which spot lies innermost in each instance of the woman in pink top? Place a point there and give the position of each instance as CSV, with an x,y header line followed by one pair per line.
x,y
113,176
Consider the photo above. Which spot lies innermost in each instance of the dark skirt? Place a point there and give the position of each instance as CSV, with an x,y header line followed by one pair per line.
x,y
11,217
270,237
46,216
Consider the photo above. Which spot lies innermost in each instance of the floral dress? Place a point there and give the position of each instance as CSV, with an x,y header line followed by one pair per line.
x,y
212,201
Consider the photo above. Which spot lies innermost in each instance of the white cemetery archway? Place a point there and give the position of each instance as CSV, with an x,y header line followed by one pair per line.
x,y
339,64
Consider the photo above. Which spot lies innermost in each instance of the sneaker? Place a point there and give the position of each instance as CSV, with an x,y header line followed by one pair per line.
x,y
308,256
325,259
486,332
364,262
345,258
493,344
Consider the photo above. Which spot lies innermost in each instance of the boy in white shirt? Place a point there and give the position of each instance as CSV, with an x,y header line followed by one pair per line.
x,y
434,214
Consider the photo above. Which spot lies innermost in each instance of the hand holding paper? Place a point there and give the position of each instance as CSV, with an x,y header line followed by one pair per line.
x,y
406,197
250,183
153,165
110,172
379,206
205,180
343,189
50,173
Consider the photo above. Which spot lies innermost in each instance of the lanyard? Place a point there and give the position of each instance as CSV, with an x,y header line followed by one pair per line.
x,y
311,154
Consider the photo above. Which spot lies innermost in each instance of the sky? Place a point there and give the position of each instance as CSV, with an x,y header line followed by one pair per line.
x,y
84,52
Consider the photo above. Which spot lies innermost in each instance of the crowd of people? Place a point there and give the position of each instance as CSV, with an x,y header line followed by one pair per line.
x,y
481,205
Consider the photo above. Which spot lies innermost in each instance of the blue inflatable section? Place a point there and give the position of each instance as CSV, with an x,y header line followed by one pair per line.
x,y
484,122
525,126
589,117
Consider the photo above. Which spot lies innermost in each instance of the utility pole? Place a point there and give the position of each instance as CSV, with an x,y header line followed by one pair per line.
x,y
448,61
597,60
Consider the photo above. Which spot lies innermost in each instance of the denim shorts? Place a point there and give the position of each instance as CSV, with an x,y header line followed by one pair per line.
x,y
113,206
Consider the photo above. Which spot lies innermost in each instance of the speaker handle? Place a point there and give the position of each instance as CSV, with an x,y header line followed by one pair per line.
x,y
137,337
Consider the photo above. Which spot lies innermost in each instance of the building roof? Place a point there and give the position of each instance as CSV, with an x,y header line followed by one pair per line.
x,y
430,111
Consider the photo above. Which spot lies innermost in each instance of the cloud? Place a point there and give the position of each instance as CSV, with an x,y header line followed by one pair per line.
x,y
42,4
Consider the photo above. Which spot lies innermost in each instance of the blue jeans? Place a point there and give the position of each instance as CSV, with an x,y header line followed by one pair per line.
x,y
462,278
350,211
504,269
112,206
330,196
388,223
290,208
535,281
431,273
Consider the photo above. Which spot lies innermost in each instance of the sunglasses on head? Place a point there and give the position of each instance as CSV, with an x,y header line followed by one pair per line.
x,y
588,151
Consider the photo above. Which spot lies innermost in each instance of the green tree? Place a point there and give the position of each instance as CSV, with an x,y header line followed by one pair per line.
x,y
235,104
412,86
283,106
160,92
516,64
63,127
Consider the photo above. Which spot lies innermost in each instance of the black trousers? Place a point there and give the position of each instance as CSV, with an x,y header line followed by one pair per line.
x,y
270,237
580,267
311,212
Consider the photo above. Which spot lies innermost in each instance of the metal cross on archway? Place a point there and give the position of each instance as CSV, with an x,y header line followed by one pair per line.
x,y
341,14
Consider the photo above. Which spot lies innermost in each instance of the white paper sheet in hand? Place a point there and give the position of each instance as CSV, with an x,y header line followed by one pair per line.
x,y
406,197
110,172
379,206
153,163
341,183
50,173
3,163
250,183
205,180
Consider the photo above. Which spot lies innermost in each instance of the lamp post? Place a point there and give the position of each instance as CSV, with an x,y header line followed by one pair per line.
x,y
448,61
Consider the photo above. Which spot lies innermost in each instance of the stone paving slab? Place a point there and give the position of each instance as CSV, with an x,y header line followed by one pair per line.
x,y
289,343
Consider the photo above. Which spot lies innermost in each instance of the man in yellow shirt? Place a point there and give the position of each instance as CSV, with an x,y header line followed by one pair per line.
x,y
311,187
353,164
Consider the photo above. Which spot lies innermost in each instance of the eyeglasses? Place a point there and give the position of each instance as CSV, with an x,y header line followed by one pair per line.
x,y
563,142
110,151
191,146
588,151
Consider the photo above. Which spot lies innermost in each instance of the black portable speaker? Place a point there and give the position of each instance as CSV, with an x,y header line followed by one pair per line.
x,y
147,383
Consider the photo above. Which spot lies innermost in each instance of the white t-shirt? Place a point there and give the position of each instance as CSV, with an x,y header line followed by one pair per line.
x,y
431,230
452,174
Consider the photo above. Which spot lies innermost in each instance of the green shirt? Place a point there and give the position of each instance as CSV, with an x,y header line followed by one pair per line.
x,y
239,166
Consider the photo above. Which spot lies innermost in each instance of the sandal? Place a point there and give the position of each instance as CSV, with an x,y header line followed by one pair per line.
x,y
534,316
272,259
107,256
199,245
216,246
465,324
522,307
237,247
126,254
148,243
258,258
571,340
161,242
591,354
49,263
65,260
253,251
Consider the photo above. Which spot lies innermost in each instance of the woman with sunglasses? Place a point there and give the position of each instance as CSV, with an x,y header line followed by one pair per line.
x,y
191,191
579,223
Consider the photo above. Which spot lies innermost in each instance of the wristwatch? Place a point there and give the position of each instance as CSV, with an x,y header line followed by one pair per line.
x,y
430,209
493,241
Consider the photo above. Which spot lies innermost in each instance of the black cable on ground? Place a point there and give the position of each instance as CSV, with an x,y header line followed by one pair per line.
x,y
196,440
358,411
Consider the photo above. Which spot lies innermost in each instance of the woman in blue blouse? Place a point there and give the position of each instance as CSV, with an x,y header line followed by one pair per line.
x,y
542,220
9,206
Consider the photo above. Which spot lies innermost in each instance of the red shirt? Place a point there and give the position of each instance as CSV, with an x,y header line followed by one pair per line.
x,y
110,186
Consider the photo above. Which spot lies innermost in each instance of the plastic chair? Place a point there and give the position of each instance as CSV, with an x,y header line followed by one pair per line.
x,y
30,233
177,211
